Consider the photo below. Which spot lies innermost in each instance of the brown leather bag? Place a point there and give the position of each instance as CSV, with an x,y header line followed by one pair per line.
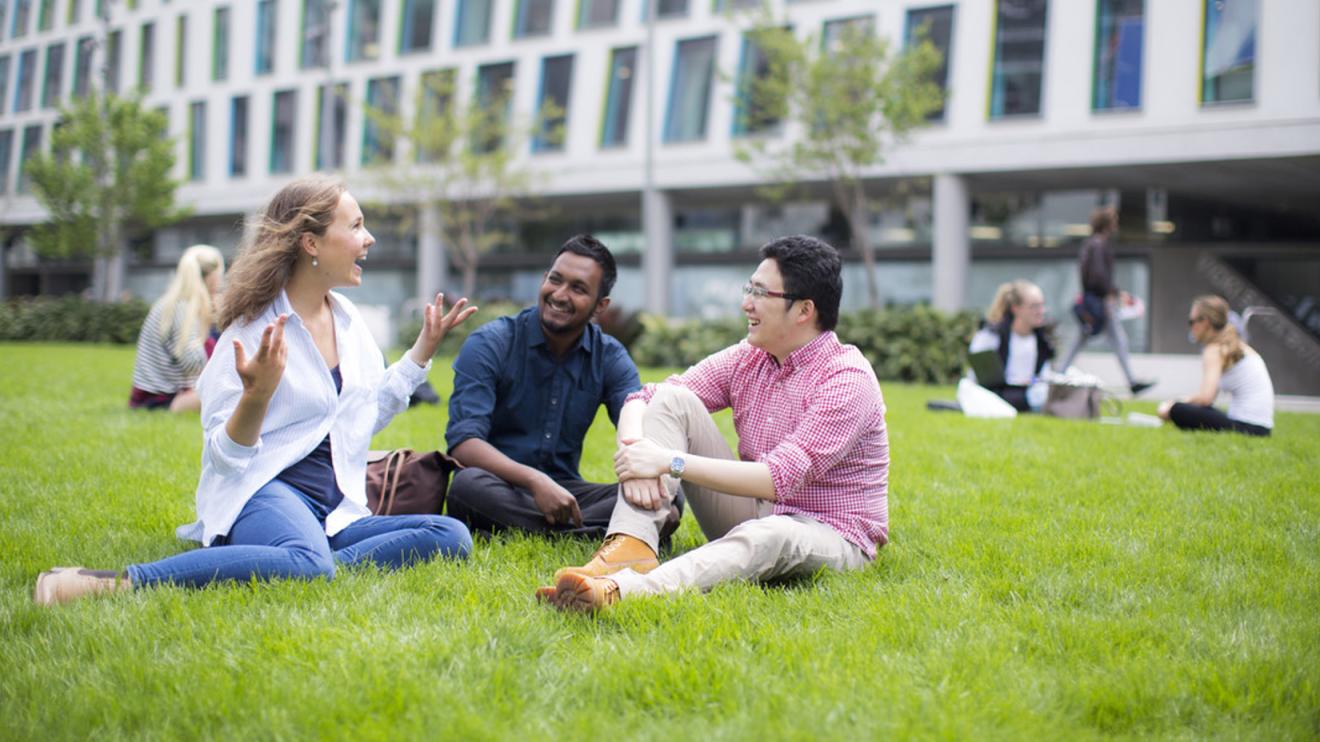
x,y
408,482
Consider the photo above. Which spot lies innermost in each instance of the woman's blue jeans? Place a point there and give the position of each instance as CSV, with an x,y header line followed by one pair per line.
x,y
277,534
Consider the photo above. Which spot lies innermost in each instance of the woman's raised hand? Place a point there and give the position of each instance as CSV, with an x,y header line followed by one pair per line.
x,y
436,323
261,374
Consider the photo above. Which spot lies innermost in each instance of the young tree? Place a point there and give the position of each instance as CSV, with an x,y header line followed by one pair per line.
x,y
463,160
841,104
105,180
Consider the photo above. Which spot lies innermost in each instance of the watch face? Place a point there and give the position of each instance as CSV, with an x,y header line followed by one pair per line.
x,y
676,466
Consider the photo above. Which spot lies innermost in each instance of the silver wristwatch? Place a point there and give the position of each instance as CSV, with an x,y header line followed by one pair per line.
x,y
676,466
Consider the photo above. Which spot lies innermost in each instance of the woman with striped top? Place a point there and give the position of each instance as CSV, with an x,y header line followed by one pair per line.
x,y
1227,364
172,346
293,394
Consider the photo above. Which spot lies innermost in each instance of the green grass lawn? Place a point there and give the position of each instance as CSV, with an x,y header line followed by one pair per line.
x,y
1045,578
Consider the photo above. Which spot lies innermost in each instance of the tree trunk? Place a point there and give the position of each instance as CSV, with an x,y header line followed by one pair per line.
x,y
859,225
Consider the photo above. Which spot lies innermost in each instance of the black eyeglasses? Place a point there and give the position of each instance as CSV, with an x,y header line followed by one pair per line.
x,y
760,292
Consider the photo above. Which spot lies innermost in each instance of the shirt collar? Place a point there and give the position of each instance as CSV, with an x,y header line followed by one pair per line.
x,y
536,336
282,305
811,351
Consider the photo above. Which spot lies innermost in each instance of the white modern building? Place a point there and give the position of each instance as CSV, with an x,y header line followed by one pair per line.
x,y
1199,118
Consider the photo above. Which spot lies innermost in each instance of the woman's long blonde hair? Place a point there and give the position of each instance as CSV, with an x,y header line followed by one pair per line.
x,y
1008,294
1214,309
187,310
270,251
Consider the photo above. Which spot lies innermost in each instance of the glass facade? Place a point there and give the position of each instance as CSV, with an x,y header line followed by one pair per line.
x,y
473,24
597,13
415,25
433,139
315,33
667,8
936,26
618,99
553,104
197,141
31,146
834,30
534,18
1018,71
52,87
146,57
238,136
377,142
284,117
1228,61
336,118
82,66
690,90
181,51
1120,27
494,97
113,48
27,70
754,112
4,82
363,30
21,19
6,157
267,27
220,45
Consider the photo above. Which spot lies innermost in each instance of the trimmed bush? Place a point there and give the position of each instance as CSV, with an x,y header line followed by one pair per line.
x,y
915,343
72,319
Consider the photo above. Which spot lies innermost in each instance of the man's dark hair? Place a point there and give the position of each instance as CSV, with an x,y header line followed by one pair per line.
x,y
812,270
590,247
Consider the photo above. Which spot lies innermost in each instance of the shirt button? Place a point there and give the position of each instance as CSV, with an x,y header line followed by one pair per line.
x,y
554,402
547,436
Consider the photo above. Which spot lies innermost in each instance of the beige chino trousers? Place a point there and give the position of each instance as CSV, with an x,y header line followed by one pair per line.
x,y
744,541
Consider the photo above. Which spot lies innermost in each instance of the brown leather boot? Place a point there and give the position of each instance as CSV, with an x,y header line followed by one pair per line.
x,y
619,552
66,584
583,593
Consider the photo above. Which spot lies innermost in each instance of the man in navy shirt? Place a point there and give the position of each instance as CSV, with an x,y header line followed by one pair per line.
x,y
526,389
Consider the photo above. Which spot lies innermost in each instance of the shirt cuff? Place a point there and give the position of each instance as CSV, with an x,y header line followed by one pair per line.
x,y
645,394
412,373
231,455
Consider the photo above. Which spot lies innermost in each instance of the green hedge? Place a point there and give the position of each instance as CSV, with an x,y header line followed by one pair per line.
x,y
72,319
904,344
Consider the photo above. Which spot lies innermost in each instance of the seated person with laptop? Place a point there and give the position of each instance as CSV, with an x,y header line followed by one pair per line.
x,y
1009,351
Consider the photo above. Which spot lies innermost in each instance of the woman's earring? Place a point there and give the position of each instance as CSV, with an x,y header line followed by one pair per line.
x,y
314,263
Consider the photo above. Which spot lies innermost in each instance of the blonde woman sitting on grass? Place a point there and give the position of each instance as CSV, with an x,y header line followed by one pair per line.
x,y
173,344
290,401
1227,364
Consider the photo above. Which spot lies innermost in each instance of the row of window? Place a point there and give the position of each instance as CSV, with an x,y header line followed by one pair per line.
x,y
1228,58
1016,81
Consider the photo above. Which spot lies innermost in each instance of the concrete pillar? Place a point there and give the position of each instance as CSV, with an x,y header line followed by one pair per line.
x,y
951,250
658,258
432,261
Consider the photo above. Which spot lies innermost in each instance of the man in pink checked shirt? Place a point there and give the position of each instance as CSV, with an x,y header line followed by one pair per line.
x,y
808,487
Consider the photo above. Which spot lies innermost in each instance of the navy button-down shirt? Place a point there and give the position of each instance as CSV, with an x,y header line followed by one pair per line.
x,y
513,393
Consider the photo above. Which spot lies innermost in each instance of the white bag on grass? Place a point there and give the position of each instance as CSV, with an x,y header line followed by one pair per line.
x,y
977,401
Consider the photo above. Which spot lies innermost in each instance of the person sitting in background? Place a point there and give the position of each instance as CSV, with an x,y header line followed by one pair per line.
x,y
286,420
1227,364
1015,329
173,344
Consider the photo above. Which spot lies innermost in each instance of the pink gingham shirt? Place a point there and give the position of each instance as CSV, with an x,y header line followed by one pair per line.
x,y
818,423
